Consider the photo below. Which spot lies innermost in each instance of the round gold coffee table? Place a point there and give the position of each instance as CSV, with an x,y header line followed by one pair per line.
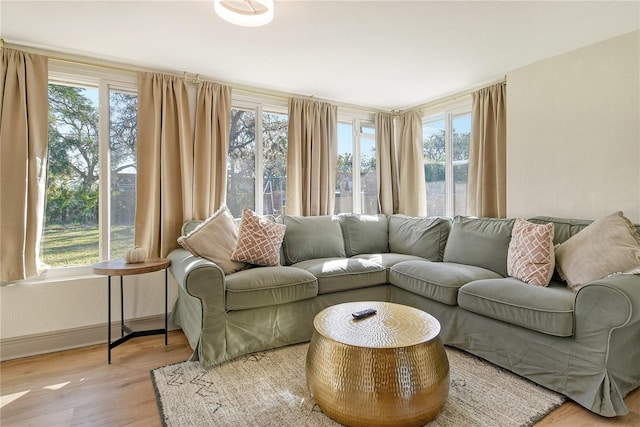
x,y
386,369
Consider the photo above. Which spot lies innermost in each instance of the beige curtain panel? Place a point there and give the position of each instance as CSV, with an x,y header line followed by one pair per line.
x,y
412,197
487,196
387,164
165,162
211,145
23,161
311,157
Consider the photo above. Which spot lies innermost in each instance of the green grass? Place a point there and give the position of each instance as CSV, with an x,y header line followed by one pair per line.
x,y
72,245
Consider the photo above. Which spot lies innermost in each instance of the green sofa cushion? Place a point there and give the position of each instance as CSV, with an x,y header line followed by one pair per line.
x,y
544,309
483,242
365,234
266,286
189,226
312,237
438,281
419,236
389,260
341,274
564,228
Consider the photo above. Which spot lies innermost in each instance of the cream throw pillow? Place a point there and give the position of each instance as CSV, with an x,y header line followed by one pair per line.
x,y
530,257
260,240
215,239
607,246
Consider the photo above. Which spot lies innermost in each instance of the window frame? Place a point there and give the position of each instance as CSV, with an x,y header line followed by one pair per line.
x,y
448,112
104,80
358,121
259,104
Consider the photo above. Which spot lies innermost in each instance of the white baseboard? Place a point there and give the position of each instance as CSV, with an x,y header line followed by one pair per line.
x,y
49,342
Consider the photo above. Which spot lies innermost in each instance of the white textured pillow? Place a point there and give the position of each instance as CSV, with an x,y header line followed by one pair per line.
x,y
530,257
607,246
215,239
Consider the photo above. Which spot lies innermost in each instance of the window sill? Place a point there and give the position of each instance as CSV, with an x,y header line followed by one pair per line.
x,y
64,274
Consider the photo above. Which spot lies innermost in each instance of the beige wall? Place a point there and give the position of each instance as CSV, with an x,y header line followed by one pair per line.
x,y
66,313
573,133
33,308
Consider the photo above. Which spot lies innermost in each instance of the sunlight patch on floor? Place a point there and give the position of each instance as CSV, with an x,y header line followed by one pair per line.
x,y
56,386
5,400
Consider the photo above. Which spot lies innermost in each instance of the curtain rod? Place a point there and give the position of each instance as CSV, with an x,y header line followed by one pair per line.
x,y
311,97
98,64
453,97
196,80
71,59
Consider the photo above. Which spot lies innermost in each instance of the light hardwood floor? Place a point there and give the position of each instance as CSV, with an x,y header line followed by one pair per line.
x,y
79,388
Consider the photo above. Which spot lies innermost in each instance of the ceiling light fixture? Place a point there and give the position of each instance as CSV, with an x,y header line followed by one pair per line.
x,y
248,13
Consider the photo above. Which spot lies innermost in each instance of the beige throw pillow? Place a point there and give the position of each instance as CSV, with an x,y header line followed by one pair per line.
x,y
530,257
215,239
260,240
607,246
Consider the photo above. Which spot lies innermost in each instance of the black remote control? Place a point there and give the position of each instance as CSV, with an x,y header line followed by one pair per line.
x,y
364,313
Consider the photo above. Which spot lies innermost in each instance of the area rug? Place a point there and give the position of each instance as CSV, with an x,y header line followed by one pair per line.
x,y
269,389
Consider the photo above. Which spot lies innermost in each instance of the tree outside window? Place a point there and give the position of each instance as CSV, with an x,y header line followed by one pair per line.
x,y
71,231
446,158
257,145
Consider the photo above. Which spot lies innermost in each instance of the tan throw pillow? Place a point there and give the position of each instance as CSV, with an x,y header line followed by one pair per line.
x,y
215,239
607,246
530,257
260,240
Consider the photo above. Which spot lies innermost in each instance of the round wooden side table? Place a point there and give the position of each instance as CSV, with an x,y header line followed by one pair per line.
x,y
388,369
118,267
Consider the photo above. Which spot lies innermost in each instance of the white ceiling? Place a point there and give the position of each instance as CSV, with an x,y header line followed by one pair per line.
x,y
380,54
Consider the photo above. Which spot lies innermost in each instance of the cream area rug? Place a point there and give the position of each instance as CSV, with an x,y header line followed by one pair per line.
x,y
269,389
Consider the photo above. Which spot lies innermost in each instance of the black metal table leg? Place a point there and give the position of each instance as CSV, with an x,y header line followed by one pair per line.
x,y
166,305
122,328
109,320
121,268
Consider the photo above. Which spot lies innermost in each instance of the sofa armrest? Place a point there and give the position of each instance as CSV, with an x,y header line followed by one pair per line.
x,y
200,278
605,304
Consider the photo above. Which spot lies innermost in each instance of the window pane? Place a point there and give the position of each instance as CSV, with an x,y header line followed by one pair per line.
x,y
241,162
433,133
368,130
368,177
344,170
274,140
461,137
70,235
123,117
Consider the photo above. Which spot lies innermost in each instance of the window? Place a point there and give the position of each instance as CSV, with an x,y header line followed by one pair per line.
x,y
91,169
368,176
274,152
257,160
460,152
356,179
344,169
446,156
123,114
241,162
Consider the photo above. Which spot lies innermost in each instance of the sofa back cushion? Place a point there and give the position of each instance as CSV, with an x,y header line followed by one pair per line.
x,y
310,237
189,226
483,242
419,236
564,228
365,234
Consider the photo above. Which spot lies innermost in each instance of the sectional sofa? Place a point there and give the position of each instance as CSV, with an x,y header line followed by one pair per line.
x,y
584,344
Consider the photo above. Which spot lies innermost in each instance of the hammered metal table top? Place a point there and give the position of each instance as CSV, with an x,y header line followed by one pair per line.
x,y
393,326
